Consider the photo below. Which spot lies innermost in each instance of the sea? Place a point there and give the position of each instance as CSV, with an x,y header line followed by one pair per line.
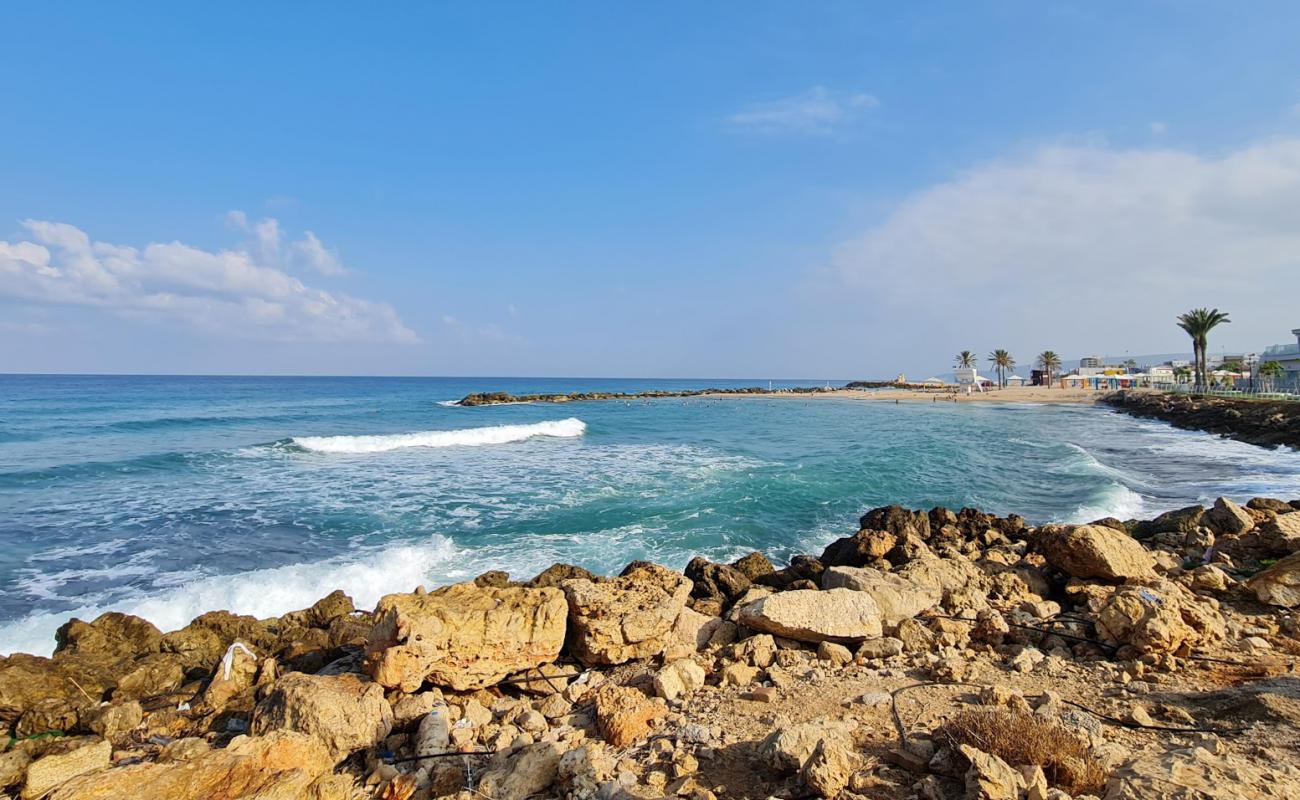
x,y
170,496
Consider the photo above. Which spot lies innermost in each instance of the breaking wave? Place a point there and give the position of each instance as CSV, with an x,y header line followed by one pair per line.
x,y
466,437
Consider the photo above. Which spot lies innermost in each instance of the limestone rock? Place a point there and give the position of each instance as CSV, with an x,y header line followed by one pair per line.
x,y
679,679
464,636
787,749
1162,618
13,766
809,615
898,598
525,772
623,714
836,655
828,769
616,620
720,581
754,565
279,766
44,774
557,574
234,675
1280,535
110,721
691,633
345,712
1279,585
1096,552
202,643
989,777
110,635
1228,518
1198,773
330,607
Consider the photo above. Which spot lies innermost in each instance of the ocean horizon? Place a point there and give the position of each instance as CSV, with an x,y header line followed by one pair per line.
x,y
168,496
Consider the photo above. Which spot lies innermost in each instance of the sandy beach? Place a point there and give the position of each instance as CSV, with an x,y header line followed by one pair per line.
x,y
1025,394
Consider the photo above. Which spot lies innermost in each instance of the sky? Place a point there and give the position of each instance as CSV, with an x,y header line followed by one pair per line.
x,y
677,189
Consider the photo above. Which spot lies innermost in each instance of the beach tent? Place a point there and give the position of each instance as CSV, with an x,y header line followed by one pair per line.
x,y
1016,380
932,382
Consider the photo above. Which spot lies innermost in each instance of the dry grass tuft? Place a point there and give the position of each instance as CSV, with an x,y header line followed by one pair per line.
x,y
1021,739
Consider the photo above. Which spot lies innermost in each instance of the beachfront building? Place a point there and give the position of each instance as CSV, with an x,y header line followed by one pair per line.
x,y
1288,355
1091,362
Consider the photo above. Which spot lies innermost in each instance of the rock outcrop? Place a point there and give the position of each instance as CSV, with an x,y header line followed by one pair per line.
x,y
1095,552
632,616
1279,585
809,615
464,636
345,712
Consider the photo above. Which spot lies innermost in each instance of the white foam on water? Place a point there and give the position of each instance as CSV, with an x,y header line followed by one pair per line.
x,y
365,576
1116,500
465,437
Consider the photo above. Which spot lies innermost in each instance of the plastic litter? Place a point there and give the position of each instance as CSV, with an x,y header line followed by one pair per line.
x,y
228,660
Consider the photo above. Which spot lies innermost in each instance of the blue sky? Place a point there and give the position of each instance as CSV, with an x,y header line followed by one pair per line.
x,y
676,189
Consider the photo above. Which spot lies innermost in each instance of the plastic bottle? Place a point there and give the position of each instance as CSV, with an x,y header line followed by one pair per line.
x,y
434,734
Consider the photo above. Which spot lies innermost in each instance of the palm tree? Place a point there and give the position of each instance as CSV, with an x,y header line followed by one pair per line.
x,y
1198,323
1003,363
1049,362
965,359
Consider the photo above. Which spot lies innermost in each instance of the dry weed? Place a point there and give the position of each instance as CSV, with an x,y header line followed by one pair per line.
x,y
1020,739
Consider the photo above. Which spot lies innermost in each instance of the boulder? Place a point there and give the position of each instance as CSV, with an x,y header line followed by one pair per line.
x,y
330,607
202,643
679,679
1279,585
897,520
1095,552
1180,520
13,766
152,675
754,565
828,769
711,580
1227,518
1280,535
1269,504
345,712
44,693
278,766
809,615
234,675
46,773
623,714
860,549
632,616
522,773
898,598
109,636
989,777
691,633
111,721
464,636
557,574
788,748
1162,618
1158,774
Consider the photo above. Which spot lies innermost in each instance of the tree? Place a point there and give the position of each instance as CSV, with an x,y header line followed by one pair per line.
x,y
1131,365
1198,323
964,359
1003,363
1181,374
1049,362
1270,371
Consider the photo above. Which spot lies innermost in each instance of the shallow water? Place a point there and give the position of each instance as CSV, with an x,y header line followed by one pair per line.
x,y
167,497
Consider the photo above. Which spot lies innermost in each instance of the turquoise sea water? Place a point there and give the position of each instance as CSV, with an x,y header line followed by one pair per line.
x,y
170,496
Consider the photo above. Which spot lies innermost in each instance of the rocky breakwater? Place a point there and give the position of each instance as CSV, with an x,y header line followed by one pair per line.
x,y
928,654
1268,423
505,398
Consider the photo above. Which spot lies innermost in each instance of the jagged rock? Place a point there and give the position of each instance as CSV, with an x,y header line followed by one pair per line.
x,y
679,679
279,766
715,581
203,642
525,772
624,714
1269,504
787,749
808,615
886,647
860,549
557,574
754,565
110,721
828,769
40,694
1180,520
493,579
150,676
109,636
691,633
235,674
583,770
632,616
1279,585
1280,535
1229,519
989,777
46,773
1162,618
464,636
898,598
836,655
344,711
330,607
1094,552
897,520
13,766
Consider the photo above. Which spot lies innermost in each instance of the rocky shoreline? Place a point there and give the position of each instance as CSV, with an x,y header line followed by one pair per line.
x,y
505,398
928,654
1274,423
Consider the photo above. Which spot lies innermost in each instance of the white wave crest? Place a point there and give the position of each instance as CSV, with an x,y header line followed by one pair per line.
x,y
366,576
466,437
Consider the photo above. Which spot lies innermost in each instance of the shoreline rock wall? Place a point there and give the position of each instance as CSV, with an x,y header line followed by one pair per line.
x,y
727,680
1268,423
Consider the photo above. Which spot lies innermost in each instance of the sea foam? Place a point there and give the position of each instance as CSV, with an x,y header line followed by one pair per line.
x,y
465,437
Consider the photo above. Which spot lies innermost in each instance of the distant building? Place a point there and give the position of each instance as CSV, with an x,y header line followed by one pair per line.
x,y
1288,355
1016,380
1093,362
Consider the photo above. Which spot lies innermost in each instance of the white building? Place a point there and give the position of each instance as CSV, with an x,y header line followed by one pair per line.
x,y
1288,355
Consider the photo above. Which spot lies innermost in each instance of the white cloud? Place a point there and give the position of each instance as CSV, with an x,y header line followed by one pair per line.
x,y
241,292
317,256
817,111
268,244
1089,240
